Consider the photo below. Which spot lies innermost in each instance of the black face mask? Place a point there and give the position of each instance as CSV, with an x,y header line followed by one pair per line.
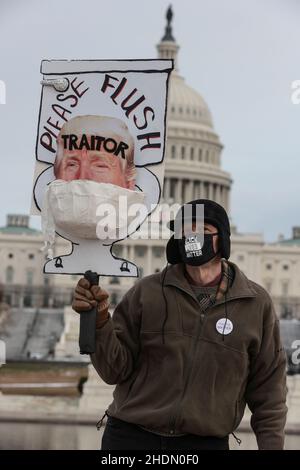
x,y
191,251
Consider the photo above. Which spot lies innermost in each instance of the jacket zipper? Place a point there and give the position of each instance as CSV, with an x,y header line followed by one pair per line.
x,y
189,367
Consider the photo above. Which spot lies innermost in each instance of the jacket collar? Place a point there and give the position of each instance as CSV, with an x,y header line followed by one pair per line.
x,y
240,287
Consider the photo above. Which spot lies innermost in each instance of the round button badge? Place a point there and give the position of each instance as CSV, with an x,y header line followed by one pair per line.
x,y
224,326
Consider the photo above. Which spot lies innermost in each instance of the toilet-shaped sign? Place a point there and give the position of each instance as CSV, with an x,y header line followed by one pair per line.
x,y
99,158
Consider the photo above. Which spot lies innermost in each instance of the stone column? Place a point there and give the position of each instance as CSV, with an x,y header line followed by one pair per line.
x,y
228,199
193,186
213,192
200,189
195,189
167,189
207,190
218,198
149,259
189,191
178,191
183,191
222,195
225,198
210,191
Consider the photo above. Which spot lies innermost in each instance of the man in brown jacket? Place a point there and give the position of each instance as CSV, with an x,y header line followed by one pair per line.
x,y
189,347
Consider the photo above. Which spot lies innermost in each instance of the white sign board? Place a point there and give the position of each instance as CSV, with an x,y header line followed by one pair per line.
x,y
101,139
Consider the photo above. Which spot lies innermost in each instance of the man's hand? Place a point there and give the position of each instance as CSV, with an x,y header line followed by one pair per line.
x,y
87,297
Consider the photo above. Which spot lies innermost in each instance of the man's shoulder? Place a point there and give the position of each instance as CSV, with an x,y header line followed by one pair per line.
x,y
146,282
257,289
264,306
265,302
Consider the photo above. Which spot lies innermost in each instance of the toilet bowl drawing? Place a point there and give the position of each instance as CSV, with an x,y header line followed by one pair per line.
x,y
95,254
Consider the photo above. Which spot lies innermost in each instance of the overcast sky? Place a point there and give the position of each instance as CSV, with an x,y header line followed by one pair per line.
x,y
241,55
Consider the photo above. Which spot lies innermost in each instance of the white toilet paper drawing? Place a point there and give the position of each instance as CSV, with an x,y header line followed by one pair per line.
x,y
100,154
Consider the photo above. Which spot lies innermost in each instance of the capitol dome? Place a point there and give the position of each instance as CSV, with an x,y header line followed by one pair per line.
x,y
193,153
186,103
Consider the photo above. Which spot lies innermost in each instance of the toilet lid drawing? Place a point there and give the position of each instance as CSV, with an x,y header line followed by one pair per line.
x,y
99,158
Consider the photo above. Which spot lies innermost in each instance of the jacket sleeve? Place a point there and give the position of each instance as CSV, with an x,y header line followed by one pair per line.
x,y
266,389
117,341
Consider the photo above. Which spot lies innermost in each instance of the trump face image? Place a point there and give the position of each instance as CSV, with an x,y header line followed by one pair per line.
x,y
97,148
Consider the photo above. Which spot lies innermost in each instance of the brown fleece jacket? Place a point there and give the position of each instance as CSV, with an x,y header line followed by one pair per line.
x,y
199,380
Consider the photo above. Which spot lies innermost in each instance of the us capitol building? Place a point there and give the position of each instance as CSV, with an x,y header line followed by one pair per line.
x,y
193,169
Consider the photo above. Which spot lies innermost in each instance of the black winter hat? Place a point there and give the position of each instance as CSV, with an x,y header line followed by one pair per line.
x,y
214,214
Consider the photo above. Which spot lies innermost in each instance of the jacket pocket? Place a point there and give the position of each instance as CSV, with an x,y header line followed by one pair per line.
x,y
238,413
215,388
138,379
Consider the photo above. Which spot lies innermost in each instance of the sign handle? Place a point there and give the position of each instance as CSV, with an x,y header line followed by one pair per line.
x,y
87,333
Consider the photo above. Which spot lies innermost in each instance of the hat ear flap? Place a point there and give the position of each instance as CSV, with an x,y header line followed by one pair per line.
x,y
172,251
224,244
